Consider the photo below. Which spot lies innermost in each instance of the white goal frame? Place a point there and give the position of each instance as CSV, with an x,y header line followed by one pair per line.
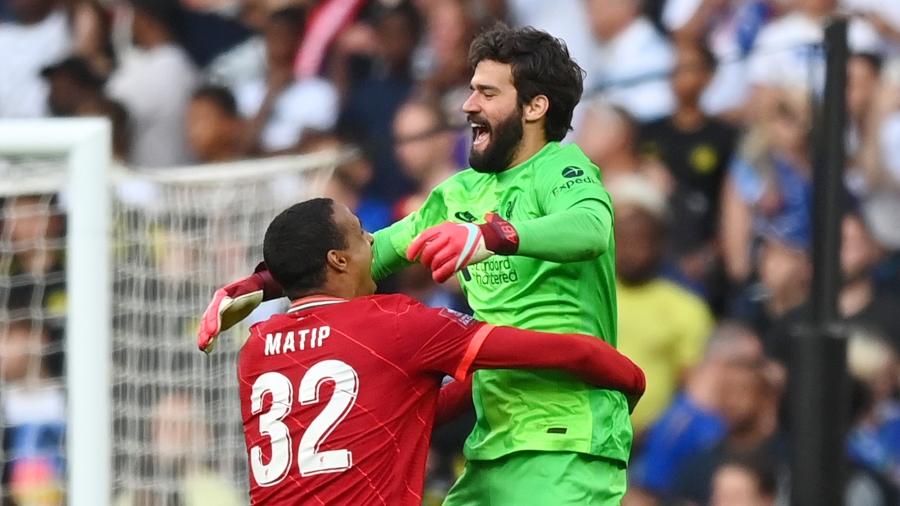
x,y
86,145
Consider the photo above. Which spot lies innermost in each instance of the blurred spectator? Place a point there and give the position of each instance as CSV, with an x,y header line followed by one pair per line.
x,y
39,37
785,275
863,82
662,327
729,28
207,34
873,443
884,18
34,272
348,181
443,66
118,118
72,82
285,112
92,35
180,436
565,19
609,137
33,412
244,62
875,173
424,142
768,190
327,18
372,66
632,61
750,398
744,482
691,423
215,130
696,150
154,82
788,53
860,306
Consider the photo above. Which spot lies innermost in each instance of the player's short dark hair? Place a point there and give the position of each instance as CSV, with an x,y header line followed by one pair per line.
x,y
219,95
297,243
541,65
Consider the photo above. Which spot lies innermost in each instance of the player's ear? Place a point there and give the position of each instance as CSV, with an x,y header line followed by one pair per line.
x,y
536,108
337,260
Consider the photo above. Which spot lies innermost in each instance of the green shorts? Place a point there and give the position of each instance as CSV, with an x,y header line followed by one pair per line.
x,y
540,479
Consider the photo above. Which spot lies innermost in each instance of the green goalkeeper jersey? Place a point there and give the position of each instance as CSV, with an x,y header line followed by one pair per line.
x,y
561,280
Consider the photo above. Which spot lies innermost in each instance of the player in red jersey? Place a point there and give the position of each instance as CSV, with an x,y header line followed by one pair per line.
x,y
339,395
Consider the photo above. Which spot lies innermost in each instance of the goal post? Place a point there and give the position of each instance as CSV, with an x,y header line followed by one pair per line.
x,y
148,418
85,145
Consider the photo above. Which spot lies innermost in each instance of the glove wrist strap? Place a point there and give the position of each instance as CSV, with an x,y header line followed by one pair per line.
x,y
499,235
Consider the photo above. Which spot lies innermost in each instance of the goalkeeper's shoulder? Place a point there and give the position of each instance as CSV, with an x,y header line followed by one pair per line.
x,y
568,156
565,176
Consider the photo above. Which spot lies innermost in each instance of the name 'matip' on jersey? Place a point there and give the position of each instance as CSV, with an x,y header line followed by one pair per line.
x,y
338,398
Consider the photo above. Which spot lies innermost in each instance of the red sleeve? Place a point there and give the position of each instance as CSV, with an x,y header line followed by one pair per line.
x,y
271,288
454,399
590,359
445,341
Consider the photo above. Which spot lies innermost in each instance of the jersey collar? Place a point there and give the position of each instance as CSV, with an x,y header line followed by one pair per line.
x,y
314,301
511,172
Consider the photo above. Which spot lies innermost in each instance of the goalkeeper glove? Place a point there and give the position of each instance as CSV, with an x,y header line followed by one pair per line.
x,y
234,302
450,247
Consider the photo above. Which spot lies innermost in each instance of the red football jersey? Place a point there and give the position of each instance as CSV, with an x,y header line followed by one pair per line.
x,y
338,398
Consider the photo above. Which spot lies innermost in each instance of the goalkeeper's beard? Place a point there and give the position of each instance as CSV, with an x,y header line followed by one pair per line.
x,y
506,137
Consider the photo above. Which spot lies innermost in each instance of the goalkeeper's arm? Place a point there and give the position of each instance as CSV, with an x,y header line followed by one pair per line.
x,y
578,233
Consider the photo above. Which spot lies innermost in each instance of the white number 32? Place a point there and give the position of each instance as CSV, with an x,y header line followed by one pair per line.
x,y
310,460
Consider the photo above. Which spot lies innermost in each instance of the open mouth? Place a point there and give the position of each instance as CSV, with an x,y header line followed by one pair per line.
x,y
481,134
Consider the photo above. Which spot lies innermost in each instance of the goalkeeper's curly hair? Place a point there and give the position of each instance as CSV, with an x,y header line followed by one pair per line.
x,y
541,65
296,245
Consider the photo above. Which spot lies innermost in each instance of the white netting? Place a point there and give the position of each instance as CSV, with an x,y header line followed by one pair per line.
x,y
177,235
32,299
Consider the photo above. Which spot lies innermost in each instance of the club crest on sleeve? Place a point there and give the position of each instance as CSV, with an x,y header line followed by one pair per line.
x,y
460,318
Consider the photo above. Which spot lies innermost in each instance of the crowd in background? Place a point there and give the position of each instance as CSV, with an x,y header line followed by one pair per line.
x,y
699,114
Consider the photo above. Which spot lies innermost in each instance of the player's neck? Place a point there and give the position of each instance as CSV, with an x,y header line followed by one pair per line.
x,y
330,290
532,142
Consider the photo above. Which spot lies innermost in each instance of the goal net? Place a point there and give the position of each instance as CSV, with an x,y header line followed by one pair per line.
x,y
174,425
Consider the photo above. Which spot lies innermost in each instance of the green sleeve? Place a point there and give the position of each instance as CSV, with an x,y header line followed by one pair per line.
x,y
385,259
578,219
580,233
389,255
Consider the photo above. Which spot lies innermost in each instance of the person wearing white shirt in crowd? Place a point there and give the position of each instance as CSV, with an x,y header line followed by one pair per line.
x,y
154,81
633,60
728,28
884,16
39,37
283,110
567,20
788,51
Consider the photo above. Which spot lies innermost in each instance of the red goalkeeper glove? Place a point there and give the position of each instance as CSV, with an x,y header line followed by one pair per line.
x,y
450,247
234,302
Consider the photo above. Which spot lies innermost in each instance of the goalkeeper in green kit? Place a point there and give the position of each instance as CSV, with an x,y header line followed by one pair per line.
x,y
528,229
